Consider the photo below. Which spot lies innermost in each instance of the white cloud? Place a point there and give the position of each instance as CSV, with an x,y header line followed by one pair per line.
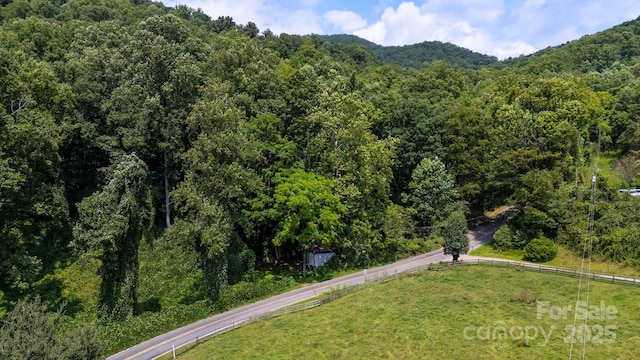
x,y
548,23
534,3
297,22
410,24
516,48
475,11
381,5
502,28
346,21
405,25
265,14
603,14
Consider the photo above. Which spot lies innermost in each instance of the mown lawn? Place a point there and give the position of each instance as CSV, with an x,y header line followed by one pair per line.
x,y
458,313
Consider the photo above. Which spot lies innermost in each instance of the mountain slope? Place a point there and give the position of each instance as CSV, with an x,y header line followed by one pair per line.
x,y
590,53
417,55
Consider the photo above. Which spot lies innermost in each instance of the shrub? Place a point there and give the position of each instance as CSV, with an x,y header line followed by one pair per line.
x,y
540,250
415,246
29,331
502,239
507,238
245,291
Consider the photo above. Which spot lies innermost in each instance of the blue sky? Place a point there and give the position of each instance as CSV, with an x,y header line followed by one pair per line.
x,y
503,28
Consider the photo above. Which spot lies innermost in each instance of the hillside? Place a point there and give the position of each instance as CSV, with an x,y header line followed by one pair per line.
x,y
596,52
158,165
417,56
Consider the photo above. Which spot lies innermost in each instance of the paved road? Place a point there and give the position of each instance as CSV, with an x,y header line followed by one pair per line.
x,y
162,344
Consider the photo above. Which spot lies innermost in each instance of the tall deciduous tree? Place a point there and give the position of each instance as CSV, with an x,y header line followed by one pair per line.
x,y
346,151
96,64
210,202
308,209
33,209
469,143
149,109
431,192
111,223
204,226
455,235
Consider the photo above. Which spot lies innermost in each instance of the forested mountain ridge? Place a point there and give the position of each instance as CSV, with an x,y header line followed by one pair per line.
x,y
595,52
153,160
419,55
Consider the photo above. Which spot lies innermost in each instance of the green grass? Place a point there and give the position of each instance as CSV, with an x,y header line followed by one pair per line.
x,y
564,259
425,317
488,251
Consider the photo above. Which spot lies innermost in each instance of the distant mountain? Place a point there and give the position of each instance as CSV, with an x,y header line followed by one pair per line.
x,y
620,44
417,55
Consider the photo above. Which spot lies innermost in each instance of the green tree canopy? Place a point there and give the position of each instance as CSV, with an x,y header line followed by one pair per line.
x,y
308,209
34,219
455,235
432,192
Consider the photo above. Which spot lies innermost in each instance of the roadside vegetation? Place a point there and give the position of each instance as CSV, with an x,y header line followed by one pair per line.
x,y
565,259
614,224
158,165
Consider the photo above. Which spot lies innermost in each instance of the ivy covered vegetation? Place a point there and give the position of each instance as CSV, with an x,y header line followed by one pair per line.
x,y
154,161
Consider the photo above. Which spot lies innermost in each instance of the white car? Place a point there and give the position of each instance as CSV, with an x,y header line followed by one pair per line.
x,y
632,192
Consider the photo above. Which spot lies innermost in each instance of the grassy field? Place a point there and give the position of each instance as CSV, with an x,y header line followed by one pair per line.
x,y
457,313
565,259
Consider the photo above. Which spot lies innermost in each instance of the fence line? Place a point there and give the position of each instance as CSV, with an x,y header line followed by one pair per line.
x,y
615,279
342,291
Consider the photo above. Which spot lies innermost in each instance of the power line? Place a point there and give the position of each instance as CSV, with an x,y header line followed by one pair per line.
x,y
586,254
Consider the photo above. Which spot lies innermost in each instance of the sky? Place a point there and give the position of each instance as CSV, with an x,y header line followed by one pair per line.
x,y
502,28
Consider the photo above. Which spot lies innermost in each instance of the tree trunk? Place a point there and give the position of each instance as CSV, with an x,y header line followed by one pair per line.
x,y
304,263
278,253
167,205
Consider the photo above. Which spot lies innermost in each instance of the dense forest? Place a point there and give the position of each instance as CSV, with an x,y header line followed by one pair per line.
x,y
157,164
416,56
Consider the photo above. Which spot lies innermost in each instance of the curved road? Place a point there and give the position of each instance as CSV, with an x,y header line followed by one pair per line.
x,y
163,344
